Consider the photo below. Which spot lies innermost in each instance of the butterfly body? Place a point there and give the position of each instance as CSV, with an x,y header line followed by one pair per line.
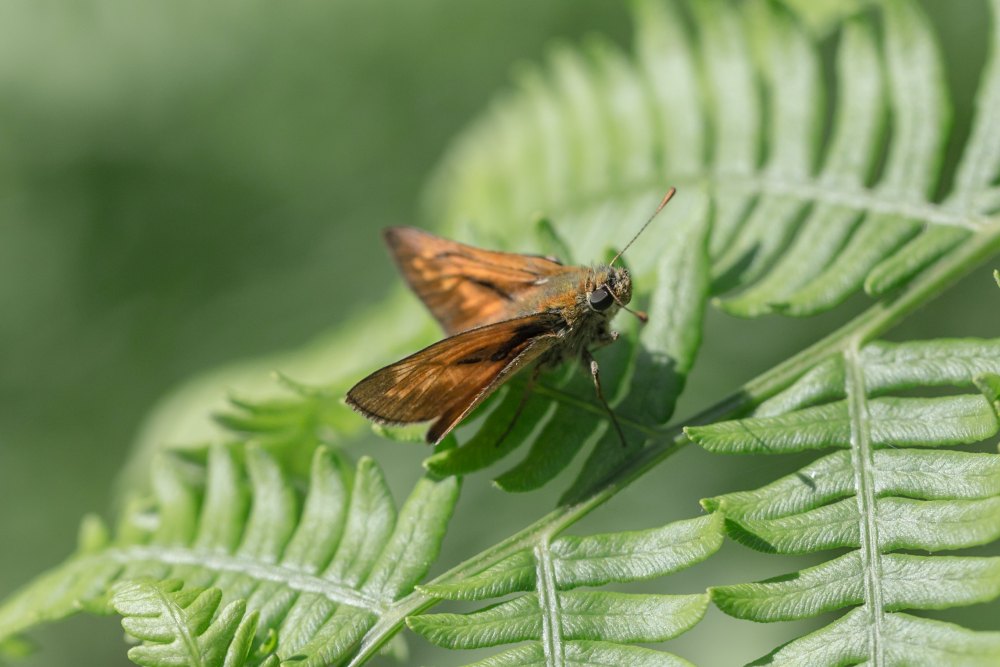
x,y
502,312
583,326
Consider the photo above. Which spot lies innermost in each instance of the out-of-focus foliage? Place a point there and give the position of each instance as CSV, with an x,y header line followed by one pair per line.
x,y
185,184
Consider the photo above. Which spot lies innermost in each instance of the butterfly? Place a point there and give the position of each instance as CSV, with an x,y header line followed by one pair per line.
x,y
502,312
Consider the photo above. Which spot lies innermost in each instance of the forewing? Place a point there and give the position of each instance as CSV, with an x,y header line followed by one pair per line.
x,y
448,379
465,287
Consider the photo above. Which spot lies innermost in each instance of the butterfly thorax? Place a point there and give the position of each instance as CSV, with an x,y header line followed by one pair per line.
x,y
585,299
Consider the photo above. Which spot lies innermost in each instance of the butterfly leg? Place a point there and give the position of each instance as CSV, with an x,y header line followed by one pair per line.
x,y
595,373
606,338
529,386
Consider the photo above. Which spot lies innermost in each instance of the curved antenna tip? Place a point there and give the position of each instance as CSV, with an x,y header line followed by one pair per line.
x,y
663,202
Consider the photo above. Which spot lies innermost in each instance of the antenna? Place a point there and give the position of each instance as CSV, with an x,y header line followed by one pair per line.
x,y
641,315
663,202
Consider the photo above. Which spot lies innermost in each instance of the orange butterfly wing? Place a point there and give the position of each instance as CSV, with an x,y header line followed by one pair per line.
x,y
447,380
465,287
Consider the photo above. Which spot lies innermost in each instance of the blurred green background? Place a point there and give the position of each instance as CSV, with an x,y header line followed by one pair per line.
x,y
187,184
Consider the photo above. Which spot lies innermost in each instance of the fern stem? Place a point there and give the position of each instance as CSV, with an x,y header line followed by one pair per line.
x,y
548,603
875,321
864,485
292,578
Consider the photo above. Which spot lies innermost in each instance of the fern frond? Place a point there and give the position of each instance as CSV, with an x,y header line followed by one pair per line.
x,y
798,225
184,627
316,573
566,626
879,497
732,115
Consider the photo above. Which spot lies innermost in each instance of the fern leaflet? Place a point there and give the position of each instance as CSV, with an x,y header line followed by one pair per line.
x,y
889,490
316,577
184,627
569,627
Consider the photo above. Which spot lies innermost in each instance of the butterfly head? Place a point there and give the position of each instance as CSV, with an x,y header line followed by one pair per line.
x,y
610,286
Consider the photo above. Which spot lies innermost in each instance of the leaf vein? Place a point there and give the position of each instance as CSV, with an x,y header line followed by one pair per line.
x,y
862,455
293,579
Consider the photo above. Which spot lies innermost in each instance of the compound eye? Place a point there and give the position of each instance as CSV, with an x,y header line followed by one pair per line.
x,y
600,299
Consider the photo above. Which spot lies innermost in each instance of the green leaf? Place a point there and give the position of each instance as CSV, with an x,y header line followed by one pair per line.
x,y
922,641
909,582
489,444
614,617
900,525
823,15
572,627
894,366
926,475
183,627
584,654
310,578
876,498
989,384
894,422
799,240
789,65
596,560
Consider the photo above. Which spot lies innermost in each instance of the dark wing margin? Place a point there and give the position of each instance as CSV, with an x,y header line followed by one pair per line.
x,y
465,287
446,381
